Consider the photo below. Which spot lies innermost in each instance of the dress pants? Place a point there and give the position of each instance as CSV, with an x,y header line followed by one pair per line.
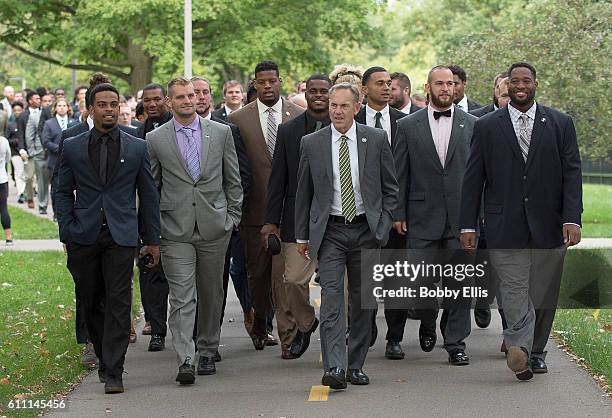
x,y
103,276
17,164
267,288
529,283
28,179
154,296
298,272
43,179
235,266
341,249
194,271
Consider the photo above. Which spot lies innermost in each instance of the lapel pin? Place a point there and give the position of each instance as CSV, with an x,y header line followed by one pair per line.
x,y
363,140
461,126
543,119
287,113
122,160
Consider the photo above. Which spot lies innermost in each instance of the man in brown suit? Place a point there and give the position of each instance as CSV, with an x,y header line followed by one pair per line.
x,y
258,122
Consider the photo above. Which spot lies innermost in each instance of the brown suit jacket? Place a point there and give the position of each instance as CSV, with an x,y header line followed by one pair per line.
x,y
247,120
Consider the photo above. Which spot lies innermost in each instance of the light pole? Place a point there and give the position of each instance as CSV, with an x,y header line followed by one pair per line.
x,y
187,40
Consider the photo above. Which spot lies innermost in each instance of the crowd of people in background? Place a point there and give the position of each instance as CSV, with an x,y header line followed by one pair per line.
x,y
250,189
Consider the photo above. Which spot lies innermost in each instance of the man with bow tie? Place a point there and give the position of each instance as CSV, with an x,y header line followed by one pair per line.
x,y
431,151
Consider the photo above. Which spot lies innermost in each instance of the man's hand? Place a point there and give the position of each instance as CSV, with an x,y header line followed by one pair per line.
x,y
468,240
154,251
266,231
303,250
571,234
401,227
23,154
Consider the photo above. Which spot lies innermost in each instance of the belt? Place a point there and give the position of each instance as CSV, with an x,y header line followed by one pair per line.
x,y
342,220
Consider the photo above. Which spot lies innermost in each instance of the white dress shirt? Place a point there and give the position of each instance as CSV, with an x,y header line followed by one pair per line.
x,y
406,109
90,122
228,110
385,120
277,111
336,208
463,104
207,117
440,131
60,119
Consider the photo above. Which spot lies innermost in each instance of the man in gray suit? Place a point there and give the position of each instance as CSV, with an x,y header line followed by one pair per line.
x,y
194,164
431,151
346,194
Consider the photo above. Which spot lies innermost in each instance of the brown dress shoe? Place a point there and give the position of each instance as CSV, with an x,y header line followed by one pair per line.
x,y
249,318
31,204
146,330
286,353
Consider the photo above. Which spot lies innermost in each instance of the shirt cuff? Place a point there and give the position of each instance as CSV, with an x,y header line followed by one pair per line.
x,y
301,241
571,223
463,231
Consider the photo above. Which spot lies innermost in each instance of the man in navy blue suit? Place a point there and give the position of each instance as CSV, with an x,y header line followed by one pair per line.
x,y
526,159
100,225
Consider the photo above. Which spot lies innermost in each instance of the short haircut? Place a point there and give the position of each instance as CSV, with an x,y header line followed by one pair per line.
x,y
198,78
346,86
229,84
16,103
322,77
177,81
58,89
95,80
266,66
498,77
346,73
402,79
99,89
419,96
437,67
458,71
155,86
140,109
61,99
41,91
522,64
368,73
31,94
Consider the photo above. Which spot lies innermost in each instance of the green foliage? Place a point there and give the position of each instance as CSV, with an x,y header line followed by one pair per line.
x,y
25,225
597,216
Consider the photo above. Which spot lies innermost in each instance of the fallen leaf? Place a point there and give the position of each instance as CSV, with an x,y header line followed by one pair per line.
x,y
4,381
607,327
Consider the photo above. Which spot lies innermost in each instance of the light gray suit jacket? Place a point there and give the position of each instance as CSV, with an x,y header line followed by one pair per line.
x,y
315,190
428,192
214,200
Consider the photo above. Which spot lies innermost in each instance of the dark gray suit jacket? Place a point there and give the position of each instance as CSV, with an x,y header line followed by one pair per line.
x,y
315,190
483,110
429,194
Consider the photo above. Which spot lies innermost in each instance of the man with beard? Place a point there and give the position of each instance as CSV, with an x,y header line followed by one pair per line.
x,y
525,157
100,173
400,94
497,83
258,123
195,166
280,211
431,151
234,257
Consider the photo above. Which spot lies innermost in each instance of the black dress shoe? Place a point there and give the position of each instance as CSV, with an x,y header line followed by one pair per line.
x,y
206,366
458,358
482,316
298,349
217,357
186,373
259,343
538,365
157,342
114,384
334,378
358,377
393,351
427,338
271,340
102,375
43,211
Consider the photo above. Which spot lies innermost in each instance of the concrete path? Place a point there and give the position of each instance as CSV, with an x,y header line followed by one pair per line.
x,y
261,384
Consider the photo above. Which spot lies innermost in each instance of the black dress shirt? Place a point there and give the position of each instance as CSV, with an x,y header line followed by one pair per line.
x,y
311,122
113,149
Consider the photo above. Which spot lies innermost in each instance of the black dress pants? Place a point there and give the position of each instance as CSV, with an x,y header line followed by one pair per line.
x,y
102,272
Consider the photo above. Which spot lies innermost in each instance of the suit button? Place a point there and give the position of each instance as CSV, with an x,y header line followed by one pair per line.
x,y
193,204
526,199
101,209
524,177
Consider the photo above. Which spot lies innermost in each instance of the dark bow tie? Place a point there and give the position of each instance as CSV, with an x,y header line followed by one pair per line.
x,y
446,113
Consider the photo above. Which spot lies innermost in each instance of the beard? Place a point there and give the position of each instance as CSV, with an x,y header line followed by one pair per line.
x,y
436,101
530,96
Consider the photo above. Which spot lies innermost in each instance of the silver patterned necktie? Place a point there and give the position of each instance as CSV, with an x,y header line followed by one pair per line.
x,y
271,132
524,136
192,158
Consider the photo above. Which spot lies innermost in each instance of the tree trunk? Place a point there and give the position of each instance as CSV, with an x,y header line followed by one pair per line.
x,y
141,65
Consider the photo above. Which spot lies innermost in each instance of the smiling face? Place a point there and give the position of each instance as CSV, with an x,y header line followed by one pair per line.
x,y
182,101
317,96
153,101
440,88
105,110
233,96
522,87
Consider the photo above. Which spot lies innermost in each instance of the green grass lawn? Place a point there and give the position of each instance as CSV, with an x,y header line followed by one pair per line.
x,y
39,357
597,216
25,225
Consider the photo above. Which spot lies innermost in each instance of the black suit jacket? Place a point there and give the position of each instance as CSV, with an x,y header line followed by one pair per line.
x,y
243,160
80,214
51,138
45,115
483,110
282,185
414,108
220,113
472,105
394,115
523,201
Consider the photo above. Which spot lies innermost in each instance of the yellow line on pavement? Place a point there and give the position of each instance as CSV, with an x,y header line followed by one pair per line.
x,y
318,302
318,393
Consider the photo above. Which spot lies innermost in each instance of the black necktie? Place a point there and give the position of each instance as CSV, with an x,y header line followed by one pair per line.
x,y
377,118
318,125
103,158
446,113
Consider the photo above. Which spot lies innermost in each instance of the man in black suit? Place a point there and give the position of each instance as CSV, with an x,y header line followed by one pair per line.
x,y
526,159
497,94
459,98
400,94
153,98
431,152
99,174
232,95
280,209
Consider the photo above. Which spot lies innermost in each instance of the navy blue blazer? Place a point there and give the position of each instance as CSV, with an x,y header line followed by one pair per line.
x,y
51,138
80,215
523,201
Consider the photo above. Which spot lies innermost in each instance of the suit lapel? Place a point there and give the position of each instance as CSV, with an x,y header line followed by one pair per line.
x,y
426,138
326,145
508,132
118,164
362,145
456,131
394,119
206,139
171,138
539,125
257,129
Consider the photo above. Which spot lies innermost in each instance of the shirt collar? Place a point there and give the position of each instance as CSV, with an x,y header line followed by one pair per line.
x,y
113,134
58,117
90,122
228,110
463,103
277,108
515,113
406,109
372,113
193,125
351,133
431,110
